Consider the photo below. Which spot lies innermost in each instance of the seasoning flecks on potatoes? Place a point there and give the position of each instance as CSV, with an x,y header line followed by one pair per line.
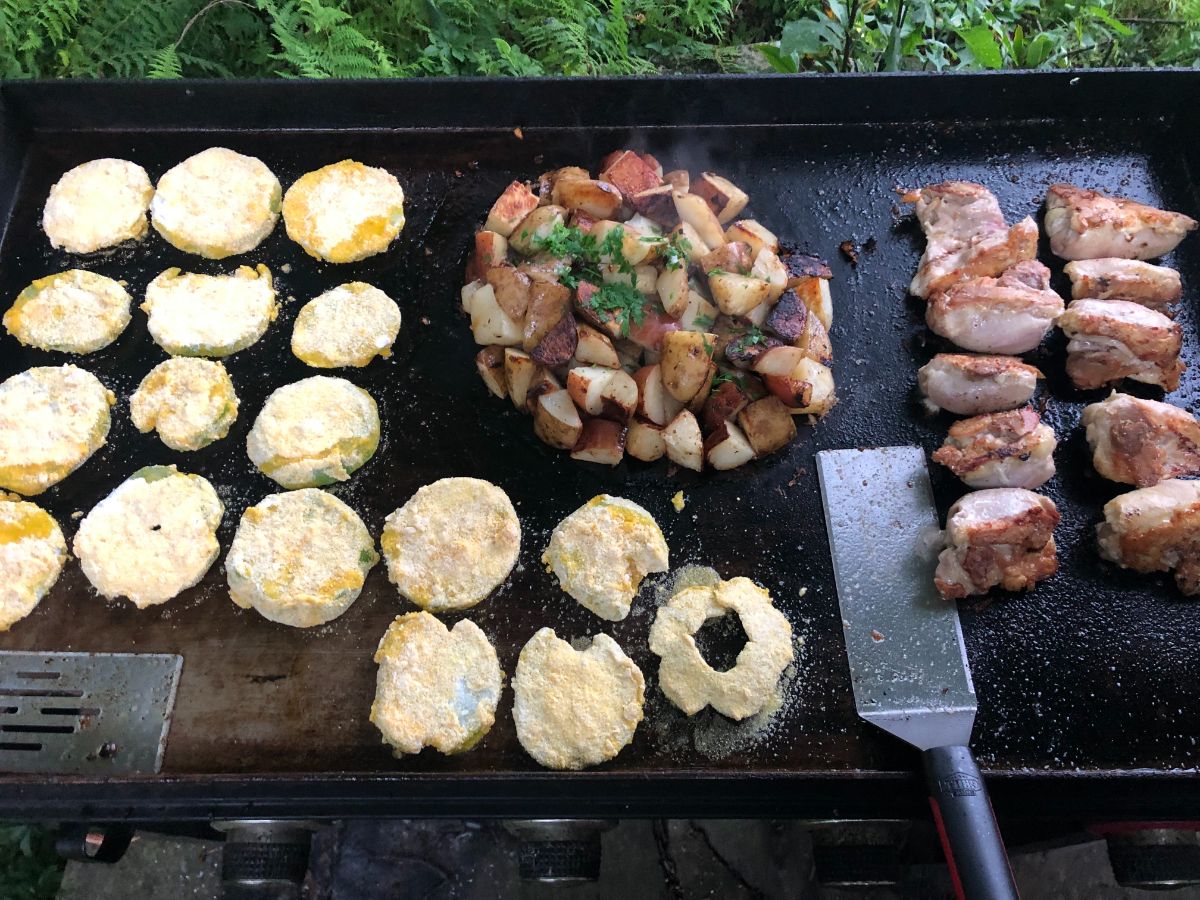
x,y
636,313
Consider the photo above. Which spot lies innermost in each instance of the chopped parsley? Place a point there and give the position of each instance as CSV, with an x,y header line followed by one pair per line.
x,y
624,302
752,335
712,272
704,321
674,249
731,377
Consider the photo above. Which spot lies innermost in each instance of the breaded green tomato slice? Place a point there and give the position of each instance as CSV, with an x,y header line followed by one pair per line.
x,y
210,315
436,687
190,402
344,212
52,418
314,432
452,543
299,558
97,205
347,326
216,203
32,554
71,312
152,538
575,708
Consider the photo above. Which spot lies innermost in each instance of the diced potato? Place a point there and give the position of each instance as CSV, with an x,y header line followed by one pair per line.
x,y
733,257
543,267
699,314
655,325
489,323
489,362
644,277
723,197
548,302
556,420
770,268
468,292
593,347
685,444
526,237
672,287
605,321
519,372
767,424
517,202
630,173
815,341
788,317
601,441
785,370
512,290
582,221
736,295
696,404
599,391
596,198
658,204
644,441
728,448
694,246
547,181
491,249
758,316
722,405
754,234
694,211
654,402
633,248
653,163
686,360
821,397
814,292
557,346
804,265
678,179
543,382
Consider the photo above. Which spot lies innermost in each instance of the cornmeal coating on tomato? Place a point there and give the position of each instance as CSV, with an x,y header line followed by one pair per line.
x,y
97,205
216,204
190,402
152,538
71,312
452,544
299,558
210,315
347,326
314,432
32,554
344,212
52,419
436,687
575,708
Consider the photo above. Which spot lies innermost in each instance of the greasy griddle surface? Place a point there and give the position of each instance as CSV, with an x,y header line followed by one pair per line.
x,y
1095,669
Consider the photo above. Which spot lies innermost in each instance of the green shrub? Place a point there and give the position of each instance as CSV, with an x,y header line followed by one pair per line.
x,y
29,868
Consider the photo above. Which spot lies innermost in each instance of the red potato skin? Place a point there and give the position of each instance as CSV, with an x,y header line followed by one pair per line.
x,y
483,257
792,392
652,162
655,324
602,434
559,343
542,383
739,352
658,205
581,220
788,318
722,405
630,174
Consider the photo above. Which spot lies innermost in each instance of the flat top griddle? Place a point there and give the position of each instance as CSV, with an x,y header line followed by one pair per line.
x,y
1094,672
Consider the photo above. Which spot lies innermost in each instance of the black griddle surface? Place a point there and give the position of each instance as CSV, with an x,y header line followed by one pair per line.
x,y
1095,670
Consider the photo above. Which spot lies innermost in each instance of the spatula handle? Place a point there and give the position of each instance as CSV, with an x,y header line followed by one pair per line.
x,y
967,826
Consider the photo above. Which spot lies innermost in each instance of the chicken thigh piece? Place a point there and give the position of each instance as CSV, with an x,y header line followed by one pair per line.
x,y
1115,339
1000,450
966,235
968,385
1009,314
1002,537
1125,279
1142,442
1156,529
1085,224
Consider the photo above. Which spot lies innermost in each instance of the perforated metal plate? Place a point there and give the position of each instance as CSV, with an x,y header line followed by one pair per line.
x,y
85,713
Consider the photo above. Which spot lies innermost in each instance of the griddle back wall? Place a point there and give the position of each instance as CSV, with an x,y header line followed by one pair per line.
x,y
1095,670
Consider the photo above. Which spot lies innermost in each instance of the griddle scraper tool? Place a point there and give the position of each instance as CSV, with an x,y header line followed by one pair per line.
x,y
908,664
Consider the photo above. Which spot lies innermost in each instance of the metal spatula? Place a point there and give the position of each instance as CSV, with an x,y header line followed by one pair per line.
x,y
908,664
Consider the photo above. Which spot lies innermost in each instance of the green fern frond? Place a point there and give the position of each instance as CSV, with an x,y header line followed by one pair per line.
x,y
165,64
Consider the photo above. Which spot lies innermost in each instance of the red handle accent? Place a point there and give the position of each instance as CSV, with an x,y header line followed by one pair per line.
x,y
937,818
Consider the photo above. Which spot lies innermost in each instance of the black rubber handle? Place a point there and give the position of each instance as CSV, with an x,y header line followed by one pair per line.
x,y
967,826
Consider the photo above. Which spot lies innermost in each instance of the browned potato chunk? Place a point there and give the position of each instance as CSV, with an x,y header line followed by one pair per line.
x,y
686,360
608,393
696,404
767,424
598,199
653,163
543,383
694,211
558,345
633,248
784,371
737,295
770,269
734,257
512,290
594,348
694,248
788,317
728,448
601,441
723,197
630,173
722,405
672,288
517,202
547,180
657,204
754,234
742,343
644,441
491,249
815,341
556,420
527,236
678,179
699,314
821,397
814,292
654,402
490,324
804,265
519,372
548,304
685,445
490,363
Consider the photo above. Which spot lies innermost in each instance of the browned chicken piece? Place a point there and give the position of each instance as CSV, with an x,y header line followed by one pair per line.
x,y
1156,529
1009,314
1142,442
1004,449
968,385
1085,224
1115,339
1125,279
1002,537
966,235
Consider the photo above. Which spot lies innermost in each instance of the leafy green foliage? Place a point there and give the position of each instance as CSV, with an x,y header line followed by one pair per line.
x,y
29,867
382,38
